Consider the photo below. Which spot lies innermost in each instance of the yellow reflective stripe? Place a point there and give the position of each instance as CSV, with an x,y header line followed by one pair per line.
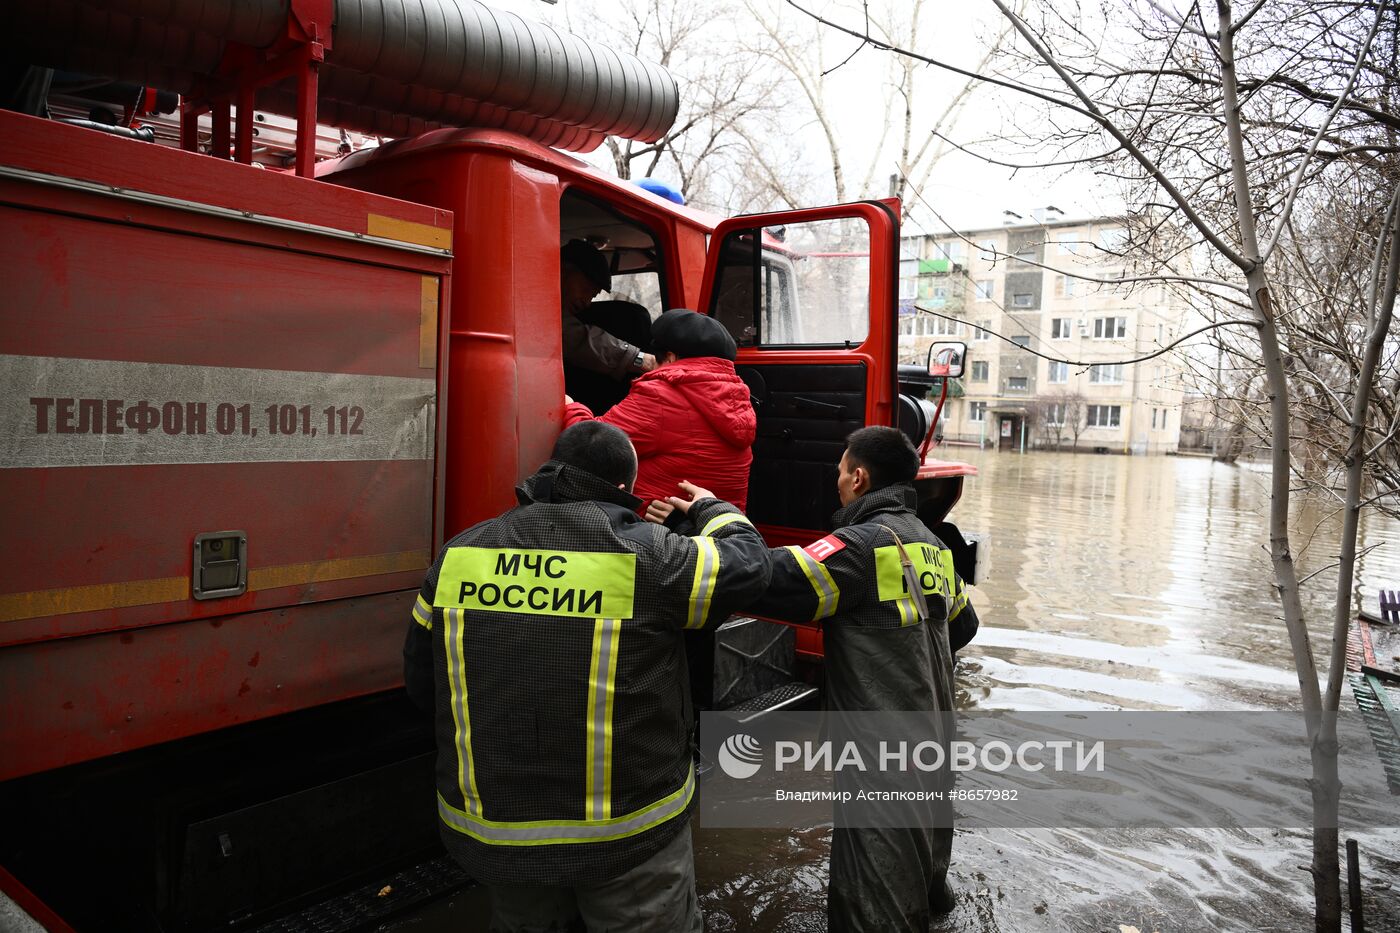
x,y
554,832
461,714
719,521
423,613
957,592
602,675
703,586
74,599
608,728
828,595
408,231
581,584
958,604
908,612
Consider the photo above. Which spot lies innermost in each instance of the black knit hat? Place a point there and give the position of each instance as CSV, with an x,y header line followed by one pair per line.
x,y
587,260
687,333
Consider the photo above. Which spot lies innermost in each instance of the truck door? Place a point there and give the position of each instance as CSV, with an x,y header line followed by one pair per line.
x,y
809,297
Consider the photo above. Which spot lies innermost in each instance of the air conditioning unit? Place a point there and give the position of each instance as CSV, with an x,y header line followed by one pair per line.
x,y
1083,327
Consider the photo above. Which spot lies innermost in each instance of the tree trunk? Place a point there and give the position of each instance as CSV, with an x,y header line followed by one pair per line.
x,y
1326,789
1327,785
1327,905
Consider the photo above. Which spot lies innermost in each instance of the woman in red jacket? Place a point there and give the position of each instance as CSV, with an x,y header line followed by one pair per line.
x,y
690,418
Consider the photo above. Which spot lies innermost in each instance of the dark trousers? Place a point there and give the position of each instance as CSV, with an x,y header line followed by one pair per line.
x,y
658,894
887,880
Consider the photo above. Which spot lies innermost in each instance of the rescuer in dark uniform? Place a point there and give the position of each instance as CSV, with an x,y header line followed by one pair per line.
x,y
880,656
548,641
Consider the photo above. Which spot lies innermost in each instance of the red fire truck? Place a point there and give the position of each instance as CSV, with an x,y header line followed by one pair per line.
x,y
244,407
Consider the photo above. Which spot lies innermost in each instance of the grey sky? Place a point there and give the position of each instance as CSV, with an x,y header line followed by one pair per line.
x,y
966,191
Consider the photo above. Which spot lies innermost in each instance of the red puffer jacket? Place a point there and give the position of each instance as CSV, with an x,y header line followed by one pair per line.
x,y
689,420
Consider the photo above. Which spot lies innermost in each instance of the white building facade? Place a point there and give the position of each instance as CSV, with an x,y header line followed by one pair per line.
x,y
1020,288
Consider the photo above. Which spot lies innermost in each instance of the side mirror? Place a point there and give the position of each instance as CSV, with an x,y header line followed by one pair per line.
x,y
946,359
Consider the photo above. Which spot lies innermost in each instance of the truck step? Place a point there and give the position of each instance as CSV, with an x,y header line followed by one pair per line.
x,y
367,907
789,696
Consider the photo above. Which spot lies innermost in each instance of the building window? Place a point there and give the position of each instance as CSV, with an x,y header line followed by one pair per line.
x,y
1064,286
1016,383
915,325
1106,373
1103,416
908,287
1055,414
1112,239
1108,328
927,325
1067,243
977,411
1059,328
983,331
1161,334
1021,340
1154,419
940,294
987,250
951,249
1059,373
984,289
1022,300
980,370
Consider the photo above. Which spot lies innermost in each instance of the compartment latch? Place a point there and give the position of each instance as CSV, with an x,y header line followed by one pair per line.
x,y
220,564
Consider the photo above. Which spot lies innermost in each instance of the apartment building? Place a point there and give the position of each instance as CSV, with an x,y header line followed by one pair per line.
x,y
1023,289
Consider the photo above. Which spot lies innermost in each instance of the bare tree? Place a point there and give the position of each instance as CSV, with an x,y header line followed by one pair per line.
x,y
727,103
1219,126
912,136
1074,418
1058,413
1327,271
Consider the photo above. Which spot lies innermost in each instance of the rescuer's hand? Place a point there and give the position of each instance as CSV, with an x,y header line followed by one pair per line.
x,y
693,493
658,511
568,400
648,362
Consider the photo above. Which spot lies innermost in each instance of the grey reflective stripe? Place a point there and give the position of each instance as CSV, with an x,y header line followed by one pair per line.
x,y
719,521
820,579
461,712
549,832
602,673
143,414
706,569
423,612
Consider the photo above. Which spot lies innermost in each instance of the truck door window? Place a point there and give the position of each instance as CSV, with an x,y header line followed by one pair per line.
x,y
810,286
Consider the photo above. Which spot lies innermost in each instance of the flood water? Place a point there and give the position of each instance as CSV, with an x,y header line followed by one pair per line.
x,y
1115,583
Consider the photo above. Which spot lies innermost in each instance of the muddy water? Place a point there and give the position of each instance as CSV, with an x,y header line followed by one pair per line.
x,y
1116,583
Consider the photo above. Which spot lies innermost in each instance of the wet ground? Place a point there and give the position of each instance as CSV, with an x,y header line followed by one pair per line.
x,y
1116,583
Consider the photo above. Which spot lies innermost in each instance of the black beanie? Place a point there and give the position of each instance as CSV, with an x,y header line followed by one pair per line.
x,y
687,333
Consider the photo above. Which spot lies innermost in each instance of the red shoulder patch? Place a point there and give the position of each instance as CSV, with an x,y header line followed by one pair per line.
x,y
824,548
